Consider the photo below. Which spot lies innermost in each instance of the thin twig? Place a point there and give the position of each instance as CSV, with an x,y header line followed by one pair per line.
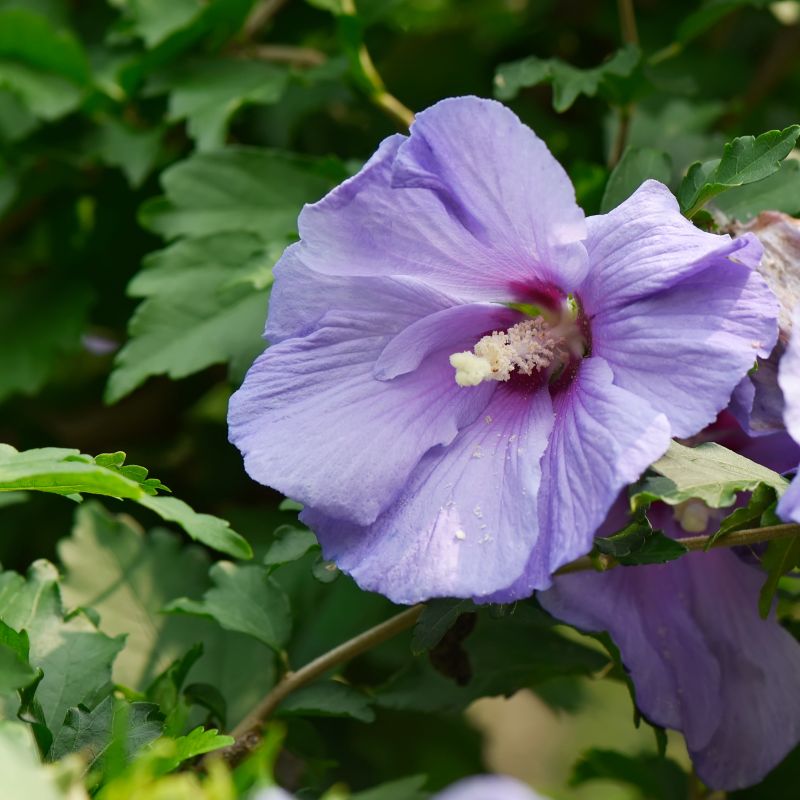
x,y
248,732
285,54
627,22
378,93
261,14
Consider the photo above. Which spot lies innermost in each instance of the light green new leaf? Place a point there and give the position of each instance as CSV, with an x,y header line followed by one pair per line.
x,y
239,189
195,743
128,577
708,472
745,160
205,303
568,82
288,544
19,758
73,655
244,599
328,699
208,94
62,471
634,168
211,531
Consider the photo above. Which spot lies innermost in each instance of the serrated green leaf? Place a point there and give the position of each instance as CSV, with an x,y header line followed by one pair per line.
x,y
708,472
568,82
244,599
436,619
155,20
745,160
133,151
288,544
781,556
208,93
15,672
211,531
779,192
196,743
91,732
634,168
638,543
239,189
204,304
763,498
74,657
328,699
128,578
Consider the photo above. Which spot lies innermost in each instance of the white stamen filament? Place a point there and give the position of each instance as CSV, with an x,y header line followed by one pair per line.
x,y
529,346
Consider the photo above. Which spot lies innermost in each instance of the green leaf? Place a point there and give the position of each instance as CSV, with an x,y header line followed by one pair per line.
x,y
501,656
74,657
638,543
568,82
404,789
634,168
781,556
288,544
744,160
133,151
244,599
15,672
709,472
328,699
212,531
709,14
196,743
128,577
204,304
779,192
25,777
208,93
92,732
436,619
155,20
62,471
239,189
45,68
657,778
763,498
48,320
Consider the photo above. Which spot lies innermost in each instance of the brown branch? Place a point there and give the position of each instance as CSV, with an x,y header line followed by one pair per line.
x,y
735,539
285,54
627,22
261,14
249,731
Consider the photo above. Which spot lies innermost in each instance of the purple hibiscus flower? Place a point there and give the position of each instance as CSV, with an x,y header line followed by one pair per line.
x,y
465,370
689,633
789,380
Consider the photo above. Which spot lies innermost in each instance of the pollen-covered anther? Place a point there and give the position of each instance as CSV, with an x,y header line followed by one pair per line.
x,y
529,346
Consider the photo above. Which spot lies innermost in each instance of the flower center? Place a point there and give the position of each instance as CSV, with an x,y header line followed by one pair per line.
x,y
527,347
